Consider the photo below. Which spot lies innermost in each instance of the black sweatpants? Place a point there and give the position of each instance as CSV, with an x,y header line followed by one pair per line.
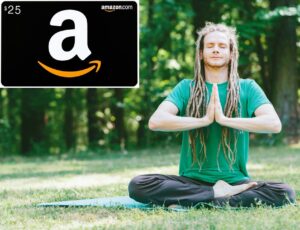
x,y
170,189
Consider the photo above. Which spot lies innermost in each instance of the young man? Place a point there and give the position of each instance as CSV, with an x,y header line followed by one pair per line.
x,y
216,111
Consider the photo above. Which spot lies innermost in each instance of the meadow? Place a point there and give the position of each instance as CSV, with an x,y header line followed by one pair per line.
x,y
28,181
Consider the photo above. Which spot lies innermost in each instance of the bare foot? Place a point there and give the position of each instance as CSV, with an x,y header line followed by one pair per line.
x,y
223,189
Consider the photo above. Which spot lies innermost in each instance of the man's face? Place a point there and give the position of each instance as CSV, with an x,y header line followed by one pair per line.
x,y
216,50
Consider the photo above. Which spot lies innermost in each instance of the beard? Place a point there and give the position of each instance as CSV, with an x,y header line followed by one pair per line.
x,y
216,64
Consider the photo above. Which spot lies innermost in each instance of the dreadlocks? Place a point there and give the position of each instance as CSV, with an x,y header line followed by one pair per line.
x,y
198,102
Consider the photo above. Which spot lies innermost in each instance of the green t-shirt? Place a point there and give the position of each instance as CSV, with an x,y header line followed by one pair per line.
x,y
212,170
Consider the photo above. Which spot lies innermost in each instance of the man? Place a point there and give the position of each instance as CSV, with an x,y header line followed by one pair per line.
x,y
215,144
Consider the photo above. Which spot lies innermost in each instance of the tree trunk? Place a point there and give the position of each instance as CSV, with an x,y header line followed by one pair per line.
x,y
69,124
264,73
120,136
1,104
94,122
13,112
284,71
33,122
143,138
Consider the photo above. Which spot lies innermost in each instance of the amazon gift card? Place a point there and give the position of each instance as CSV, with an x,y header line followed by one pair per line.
x,y
69,44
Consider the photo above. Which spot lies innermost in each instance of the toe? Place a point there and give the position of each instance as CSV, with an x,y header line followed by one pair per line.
x,y
253,184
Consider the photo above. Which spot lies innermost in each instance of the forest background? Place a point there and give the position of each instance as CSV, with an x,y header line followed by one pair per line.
x,y
69,120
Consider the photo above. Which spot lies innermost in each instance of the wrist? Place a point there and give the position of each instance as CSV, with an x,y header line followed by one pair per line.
x,y
207,121
223,120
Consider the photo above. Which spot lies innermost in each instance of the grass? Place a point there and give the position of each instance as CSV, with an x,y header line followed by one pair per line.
x,y
25,182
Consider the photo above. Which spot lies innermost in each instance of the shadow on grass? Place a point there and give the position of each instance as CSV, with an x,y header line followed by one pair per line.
x,y
92,163
39,174
117,163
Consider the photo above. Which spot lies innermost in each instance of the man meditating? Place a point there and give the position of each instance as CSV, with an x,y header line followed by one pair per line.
x,y
216,111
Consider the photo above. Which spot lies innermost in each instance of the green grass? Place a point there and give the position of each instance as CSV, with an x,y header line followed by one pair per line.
x,y
25,182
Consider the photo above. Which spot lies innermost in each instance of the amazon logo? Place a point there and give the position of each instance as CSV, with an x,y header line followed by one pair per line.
x,y
70,44
79,49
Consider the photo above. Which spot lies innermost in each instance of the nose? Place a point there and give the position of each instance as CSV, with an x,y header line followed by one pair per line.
x,y
215,50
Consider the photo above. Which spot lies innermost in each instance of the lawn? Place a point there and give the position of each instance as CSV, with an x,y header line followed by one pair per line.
x,y
25,182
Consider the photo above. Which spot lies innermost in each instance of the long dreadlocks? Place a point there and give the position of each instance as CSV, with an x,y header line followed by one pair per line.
x,y
198,102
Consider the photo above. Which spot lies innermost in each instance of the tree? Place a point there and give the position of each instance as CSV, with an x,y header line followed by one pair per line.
x,y
119,133
13,110
69,119
284,69
94,121
204,11
33,120
1,104
142,135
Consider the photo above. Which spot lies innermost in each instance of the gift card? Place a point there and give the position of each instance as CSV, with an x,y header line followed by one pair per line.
x,y
69,44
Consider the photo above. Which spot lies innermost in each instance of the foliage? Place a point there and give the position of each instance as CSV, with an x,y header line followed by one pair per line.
x,y
167,37
6,138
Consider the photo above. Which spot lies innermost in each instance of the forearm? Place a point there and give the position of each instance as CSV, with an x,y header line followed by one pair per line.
x,y
261,124
164,121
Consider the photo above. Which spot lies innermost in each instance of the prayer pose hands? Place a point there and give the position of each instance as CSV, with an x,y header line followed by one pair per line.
x,y
214,109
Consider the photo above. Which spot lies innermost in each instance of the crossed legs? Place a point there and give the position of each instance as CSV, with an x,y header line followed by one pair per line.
x,y
167,190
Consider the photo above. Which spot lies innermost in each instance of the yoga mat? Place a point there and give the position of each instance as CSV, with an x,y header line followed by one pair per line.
x,y
121,201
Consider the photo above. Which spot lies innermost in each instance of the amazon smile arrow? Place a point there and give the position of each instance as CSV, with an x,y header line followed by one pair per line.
x,y
96,64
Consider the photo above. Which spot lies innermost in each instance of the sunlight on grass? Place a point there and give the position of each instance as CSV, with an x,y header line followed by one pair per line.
x,y
80,181
252,166
295,146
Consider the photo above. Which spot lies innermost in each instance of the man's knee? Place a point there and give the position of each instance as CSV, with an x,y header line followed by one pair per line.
x,y
285,194
289,193
134,189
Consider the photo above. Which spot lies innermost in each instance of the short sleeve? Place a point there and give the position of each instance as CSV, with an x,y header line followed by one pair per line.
x,y
180,95
256,97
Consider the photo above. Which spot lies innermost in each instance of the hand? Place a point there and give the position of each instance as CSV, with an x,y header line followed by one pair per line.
x,y
214,108
219,115
210,113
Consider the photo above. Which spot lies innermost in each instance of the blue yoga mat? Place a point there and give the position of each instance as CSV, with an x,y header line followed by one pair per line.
x,y
121,201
